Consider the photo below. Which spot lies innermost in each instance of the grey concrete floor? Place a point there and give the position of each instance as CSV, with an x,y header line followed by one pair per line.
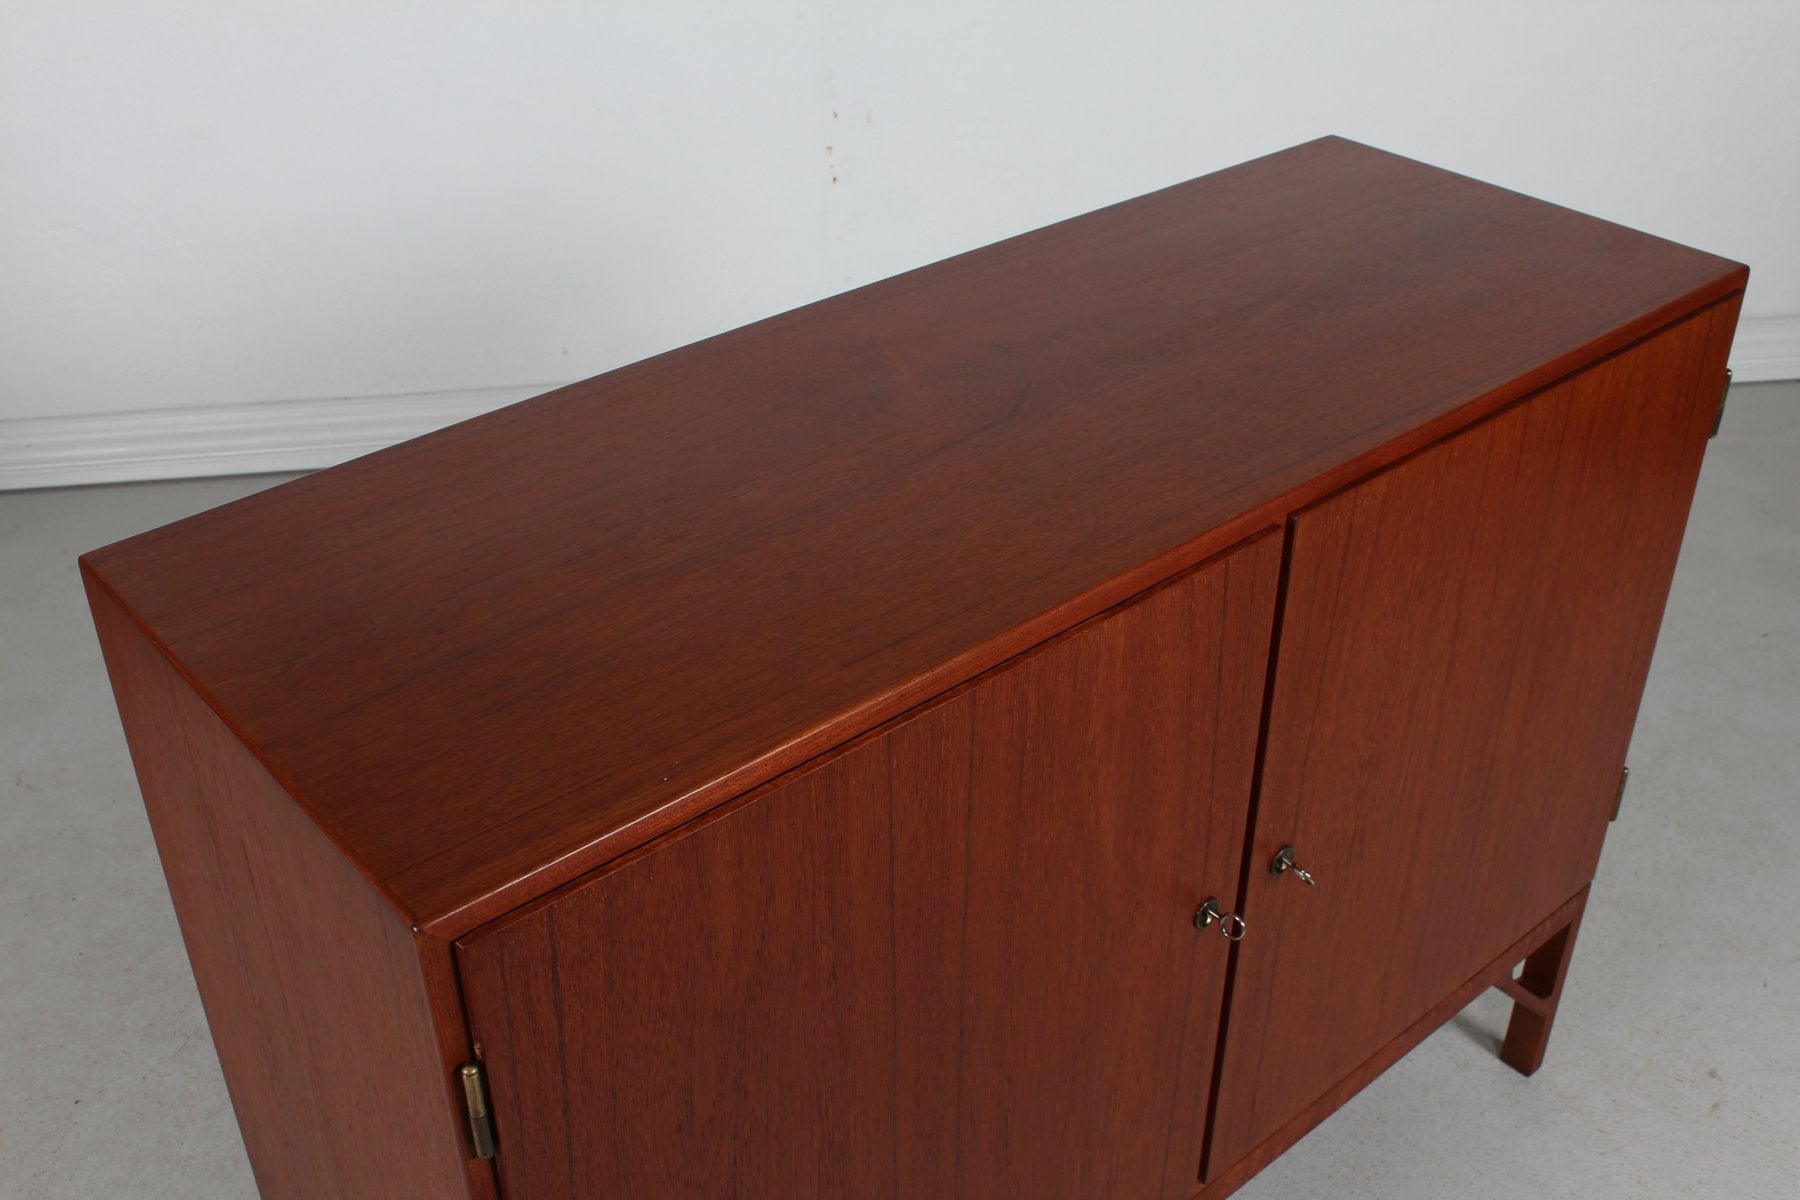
x,y
1674,1070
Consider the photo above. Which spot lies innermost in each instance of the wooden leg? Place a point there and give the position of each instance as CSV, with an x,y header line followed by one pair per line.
x,y
1536,993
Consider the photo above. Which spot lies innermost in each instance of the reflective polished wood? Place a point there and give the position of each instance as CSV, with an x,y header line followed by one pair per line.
x,y
497,656
1464,643
956,959
790,765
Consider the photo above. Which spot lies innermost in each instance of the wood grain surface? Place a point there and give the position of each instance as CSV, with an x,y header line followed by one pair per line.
x,y
957,959
316,993
1223,1182
1536,993
495,657
1464,642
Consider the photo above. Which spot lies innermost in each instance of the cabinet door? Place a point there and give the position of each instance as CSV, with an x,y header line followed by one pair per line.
x,y
956,959
1463,645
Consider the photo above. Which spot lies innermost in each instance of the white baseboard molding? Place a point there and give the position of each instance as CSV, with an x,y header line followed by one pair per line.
x,y
235,439
1766,349
304,435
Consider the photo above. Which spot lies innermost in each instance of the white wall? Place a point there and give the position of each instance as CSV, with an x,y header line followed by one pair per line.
x,y
404,212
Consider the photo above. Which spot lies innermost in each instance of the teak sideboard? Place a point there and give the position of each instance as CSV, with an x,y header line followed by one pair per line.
x,y
1051,724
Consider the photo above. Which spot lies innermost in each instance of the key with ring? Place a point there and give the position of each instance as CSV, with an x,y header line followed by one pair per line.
x,y
1284,864
1230,924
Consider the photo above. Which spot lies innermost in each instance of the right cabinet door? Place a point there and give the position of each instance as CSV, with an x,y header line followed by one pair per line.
x,y
1464,643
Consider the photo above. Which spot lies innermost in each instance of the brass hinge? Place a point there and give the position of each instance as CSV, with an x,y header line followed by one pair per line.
x,y
1619,796
481,1125
1719,417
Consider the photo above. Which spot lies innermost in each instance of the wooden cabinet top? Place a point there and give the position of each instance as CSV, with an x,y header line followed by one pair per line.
x,y
493,657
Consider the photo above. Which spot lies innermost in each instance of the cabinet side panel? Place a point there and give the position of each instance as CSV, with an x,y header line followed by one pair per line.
x,y
313,986
1465,640
956,959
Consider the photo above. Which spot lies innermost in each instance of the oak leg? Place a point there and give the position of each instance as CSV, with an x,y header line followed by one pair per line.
x,y
1536,993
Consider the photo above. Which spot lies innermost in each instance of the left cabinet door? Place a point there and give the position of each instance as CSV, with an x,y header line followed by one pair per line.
x,y
957,958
